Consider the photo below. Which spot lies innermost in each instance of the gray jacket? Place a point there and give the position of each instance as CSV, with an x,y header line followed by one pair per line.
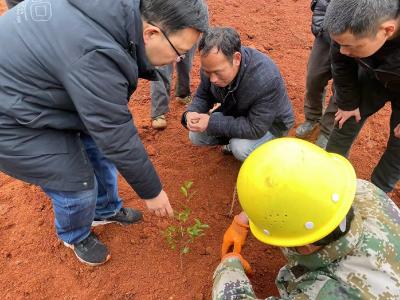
x,y
256,101
70,66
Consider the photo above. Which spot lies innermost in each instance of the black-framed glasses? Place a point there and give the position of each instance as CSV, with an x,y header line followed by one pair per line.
x,y
179,56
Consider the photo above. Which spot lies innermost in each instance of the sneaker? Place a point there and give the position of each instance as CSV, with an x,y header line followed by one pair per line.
x,y
226,149
90,251
322,141
125,216
305,129
159,123
184,100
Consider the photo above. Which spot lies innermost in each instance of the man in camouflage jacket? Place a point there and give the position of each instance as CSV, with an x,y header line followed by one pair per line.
x,y
364,263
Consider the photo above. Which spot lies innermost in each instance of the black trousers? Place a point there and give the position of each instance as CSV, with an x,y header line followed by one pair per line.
x,y
373,98
318,75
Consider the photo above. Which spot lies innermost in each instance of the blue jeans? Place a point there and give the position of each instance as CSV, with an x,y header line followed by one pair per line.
x,y
75,211
241,148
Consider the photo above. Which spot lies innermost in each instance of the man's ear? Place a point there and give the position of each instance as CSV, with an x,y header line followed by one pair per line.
x,y
389,27
150,32
237,58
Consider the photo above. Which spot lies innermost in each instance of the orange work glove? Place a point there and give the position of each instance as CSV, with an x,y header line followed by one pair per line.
x,y
234,236
246,266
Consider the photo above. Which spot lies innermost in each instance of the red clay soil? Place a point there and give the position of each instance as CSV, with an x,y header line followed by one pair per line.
x,y
35,265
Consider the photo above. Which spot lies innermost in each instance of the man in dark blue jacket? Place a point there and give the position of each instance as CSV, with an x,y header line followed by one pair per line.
x,y
254,105
68,68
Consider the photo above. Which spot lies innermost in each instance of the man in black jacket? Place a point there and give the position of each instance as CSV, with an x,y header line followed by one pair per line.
x,y
366,74
65,83
254,106
318,75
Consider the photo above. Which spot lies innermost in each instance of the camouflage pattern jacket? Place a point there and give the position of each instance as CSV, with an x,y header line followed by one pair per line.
x,y
363,264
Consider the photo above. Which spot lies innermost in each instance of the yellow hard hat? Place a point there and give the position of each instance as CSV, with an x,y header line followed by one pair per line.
x,y
294,192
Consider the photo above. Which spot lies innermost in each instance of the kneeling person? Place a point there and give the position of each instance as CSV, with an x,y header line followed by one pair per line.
x,y
254,105
339,234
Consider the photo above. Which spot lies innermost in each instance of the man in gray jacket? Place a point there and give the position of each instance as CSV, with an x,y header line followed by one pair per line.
x,y
68,69
254,105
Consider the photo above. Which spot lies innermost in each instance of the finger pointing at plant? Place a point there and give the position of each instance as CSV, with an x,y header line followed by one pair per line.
x,y
160,205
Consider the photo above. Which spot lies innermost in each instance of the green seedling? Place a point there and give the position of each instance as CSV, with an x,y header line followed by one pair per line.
x,y
180,236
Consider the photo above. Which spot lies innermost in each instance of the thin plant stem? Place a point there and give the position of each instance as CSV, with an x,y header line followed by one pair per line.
x,y
233,202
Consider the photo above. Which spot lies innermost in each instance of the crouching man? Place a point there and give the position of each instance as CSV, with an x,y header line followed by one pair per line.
x,y
339,234
254,105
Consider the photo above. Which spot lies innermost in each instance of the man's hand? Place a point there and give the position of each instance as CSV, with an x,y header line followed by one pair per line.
x,y
397,131
160,205
199,123
235,235
192,118
246,266
342,116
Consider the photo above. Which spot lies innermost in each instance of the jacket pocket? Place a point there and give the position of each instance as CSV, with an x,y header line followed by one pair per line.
x,y
33,142
29,123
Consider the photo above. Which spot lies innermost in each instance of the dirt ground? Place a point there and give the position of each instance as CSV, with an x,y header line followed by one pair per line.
x,y
35,265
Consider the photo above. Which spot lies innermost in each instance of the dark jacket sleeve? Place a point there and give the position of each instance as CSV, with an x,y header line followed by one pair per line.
x,y
259,119
345,79
99,91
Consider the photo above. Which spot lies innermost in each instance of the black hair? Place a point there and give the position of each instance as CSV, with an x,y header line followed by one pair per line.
x,y
174,15
224,39
359,17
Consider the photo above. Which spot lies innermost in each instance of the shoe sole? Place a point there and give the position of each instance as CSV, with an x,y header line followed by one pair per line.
x,y
87,262
100,223
159,128
184,103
